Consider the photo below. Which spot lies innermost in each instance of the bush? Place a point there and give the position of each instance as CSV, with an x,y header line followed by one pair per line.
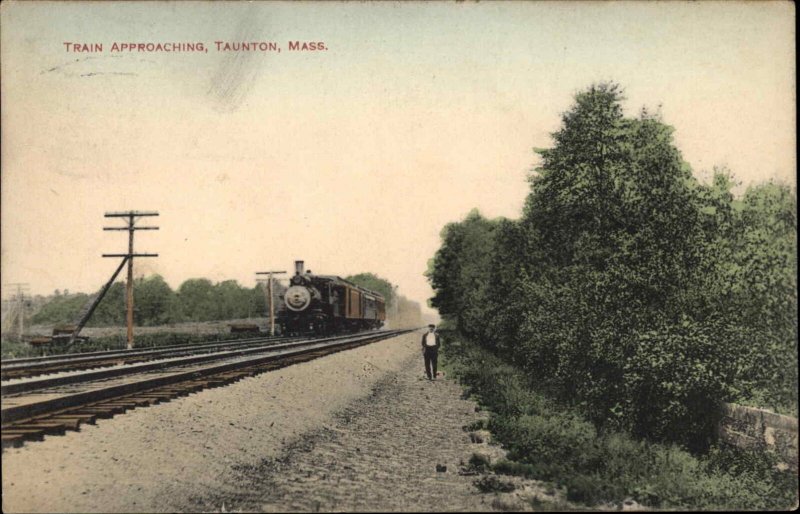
x,y
478,462
548,441
492,484
677,377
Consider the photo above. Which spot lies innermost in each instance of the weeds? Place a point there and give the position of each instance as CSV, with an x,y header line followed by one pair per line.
x,y
478,462
492,484
546,441
475,425
15,349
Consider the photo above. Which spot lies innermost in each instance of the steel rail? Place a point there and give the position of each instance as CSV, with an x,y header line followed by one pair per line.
x,y
123,351
47,405
26,370
102,374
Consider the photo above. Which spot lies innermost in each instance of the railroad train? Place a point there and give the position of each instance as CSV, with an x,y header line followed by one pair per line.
x,y
328,304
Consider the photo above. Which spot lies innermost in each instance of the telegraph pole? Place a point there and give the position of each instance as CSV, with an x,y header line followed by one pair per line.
x,y
130,218
271,307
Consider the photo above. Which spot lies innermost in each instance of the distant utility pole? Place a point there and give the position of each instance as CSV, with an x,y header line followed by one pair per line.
x,y
21,286
269,298
130,218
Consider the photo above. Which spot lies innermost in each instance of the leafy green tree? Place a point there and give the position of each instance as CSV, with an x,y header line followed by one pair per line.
x,y
375,283
622,268
60,309
460,271
196,297
111,309
154,302
257,300
229,300
762,290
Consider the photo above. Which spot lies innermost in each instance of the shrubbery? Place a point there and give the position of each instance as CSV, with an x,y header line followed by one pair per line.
x,y
628,288
676,376
548,442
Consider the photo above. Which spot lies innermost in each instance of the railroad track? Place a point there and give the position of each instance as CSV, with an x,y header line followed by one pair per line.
x,y
45,406
35,366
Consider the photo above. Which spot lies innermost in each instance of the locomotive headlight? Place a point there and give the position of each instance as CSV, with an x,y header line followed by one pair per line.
x,y
297,298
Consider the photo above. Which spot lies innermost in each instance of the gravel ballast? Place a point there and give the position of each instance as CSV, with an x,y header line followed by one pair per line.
x,y
159,458
359,430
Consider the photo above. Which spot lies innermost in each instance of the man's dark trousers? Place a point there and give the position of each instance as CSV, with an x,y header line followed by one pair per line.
x,y
431,356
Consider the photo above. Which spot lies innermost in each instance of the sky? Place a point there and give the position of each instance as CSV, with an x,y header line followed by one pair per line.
x,y
351,158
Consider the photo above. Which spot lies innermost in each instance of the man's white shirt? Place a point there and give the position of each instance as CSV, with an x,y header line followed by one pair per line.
x,y
430,339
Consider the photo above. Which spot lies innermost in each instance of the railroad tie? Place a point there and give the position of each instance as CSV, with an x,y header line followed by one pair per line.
x,y
181,389
156,398
99,413
48,427
102,411
67,423
83,418
234,374
124,405
159,393
26,433
59,421
16,440
141,401
213,382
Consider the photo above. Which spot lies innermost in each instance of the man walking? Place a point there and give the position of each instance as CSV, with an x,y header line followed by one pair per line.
x,y
430,351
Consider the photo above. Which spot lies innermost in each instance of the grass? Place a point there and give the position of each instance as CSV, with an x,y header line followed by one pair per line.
x,y
14,349
548,441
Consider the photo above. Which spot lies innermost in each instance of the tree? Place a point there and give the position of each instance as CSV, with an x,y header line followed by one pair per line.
x,y
154,302
375,283
231,300
196,297
60,309
111,309
629,288
460,271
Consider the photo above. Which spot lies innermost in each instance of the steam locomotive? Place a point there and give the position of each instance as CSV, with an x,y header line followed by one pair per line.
x,y
328,304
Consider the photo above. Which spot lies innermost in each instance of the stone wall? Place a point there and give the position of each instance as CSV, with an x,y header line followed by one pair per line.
x,y
759,429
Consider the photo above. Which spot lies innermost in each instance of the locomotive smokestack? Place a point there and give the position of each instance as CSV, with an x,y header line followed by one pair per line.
x,y
298,267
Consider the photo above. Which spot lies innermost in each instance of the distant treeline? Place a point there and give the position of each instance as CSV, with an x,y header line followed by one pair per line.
x,y
628,288
155,303
197,299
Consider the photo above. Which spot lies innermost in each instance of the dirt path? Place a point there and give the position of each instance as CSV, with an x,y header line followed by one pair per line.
x,y
381,453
